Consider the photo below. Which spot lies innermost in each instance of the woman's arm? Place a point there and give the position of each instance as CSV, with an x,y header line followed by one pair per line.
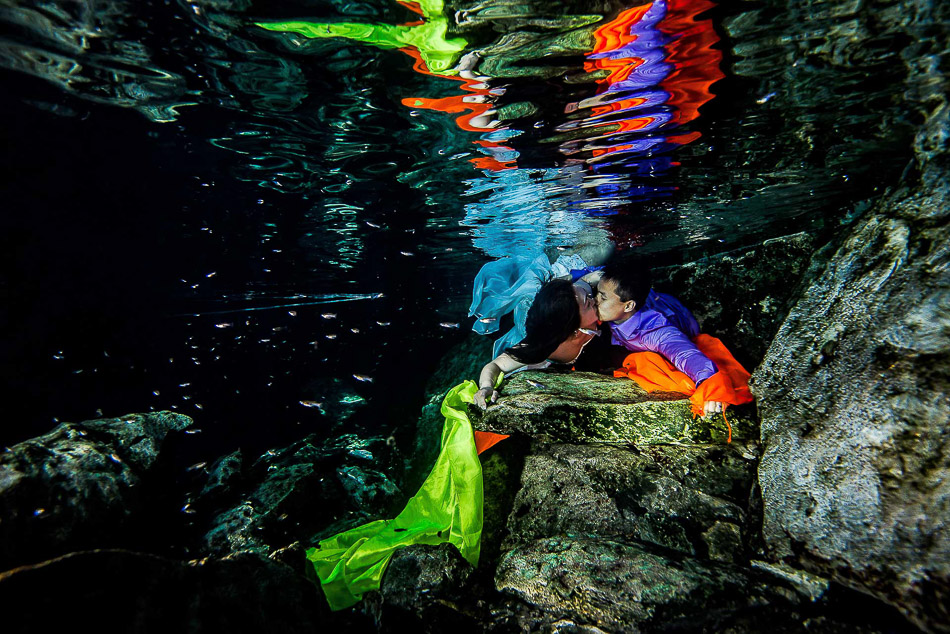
x,y
487,393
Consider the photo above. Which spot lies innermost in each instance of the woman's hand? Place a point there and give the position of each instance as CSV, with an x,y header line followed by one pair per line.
x,y
490,376
485,397
713,407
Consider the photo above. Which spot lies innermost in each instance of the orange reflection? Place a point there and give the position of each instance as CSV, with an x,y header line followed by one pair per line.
x,y
476,103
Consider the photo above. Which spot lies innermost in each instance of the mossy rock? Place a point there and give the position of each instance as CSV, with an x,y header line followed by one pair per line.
x,y
586,407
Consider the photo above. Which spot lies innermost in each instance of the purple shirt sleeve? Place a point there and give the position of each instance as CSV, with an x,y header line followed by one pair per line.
x,y
675,346
651,330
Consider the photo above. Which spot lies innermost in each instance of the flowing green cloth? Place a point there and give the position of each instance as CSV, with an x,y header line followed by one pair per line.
x,y
447,508
430,38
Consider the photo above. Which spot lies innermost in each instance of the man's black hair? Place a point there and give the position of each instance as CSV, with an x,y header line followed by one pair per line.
x,y
552,319
633,278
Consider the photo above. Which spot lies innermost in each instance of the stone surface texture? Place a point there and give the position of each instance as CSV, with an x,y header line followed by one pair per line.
x,y
82,485
694,499
624,587
588,407
301,493
853,395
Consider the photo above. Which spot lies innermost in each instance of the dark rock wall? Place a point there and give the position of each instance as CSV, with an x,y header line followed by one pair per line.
x,y
743,296
83,485
853,392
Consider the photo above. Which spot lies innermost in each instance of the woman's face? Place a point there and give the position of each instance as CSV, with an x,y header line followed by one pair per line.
x,y
585,302
569,349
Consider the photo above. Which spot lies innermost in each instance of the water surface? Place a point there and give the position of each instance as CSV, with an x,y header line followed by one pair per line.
x,y
275,228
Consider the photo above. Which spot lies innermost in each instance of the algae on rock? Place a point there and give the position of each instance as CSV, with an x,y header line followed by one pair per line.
x,y
587,407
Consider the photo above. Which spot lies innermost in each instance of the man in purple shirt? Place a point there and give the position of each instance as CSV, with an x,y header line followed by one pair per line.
x,y
643,320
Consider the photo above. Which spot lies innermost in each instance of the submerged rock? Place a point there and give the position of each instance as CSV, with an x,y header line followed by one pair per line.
x,y
303,493
429,584
145,594
83,485
694,499
620,587
855,473
588,407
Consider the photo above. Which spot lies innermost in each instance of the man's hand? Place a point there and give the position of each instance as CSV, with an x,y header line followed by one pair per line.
x,y
594,277
713,407
485,397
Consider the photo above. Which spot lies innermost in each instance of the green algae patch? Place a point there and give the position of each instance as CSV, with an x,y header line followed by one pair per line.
x,y
587,407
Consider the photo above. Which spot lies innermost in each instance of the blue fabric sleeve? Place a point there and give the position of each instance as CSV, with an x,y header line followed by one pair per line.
x,y
577,274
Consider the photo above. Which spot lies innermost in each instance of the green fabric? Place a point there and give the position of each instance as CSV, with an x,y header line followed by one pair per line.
x,y
447,508
429,38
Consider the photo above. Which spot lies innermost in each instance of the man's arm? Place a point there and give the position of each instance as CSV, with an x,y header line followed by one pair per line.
x,y
675,346
487,393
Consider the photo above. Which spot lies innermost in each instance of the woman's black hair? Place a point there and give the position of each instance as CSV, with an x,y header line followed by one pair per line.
x,y
552,318
633,278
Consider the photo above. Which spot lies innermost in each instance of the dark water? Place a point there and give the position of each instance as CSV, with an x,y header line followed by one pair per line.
x,y
276,232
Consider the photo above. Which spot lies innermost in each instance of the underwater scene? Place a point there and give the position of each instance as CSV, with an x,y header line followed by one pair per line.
x,y
239,247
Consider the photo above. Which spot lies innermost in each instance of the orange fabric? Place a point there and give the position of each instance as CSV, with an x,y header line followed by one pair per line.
x,y
654,373
485,440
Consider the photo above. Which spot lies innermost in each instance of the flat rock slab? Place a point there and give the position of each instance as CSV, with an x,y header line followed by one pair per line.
x,y
588,407
694,499
621,587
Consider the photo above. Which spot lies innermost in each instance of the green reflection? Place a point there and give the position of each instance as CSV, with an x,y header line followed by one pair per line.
x,y
438,52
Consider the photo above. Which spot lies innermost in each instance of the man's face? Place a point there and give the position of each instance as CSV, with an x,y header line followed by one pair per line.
x,y
587,308
609,305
